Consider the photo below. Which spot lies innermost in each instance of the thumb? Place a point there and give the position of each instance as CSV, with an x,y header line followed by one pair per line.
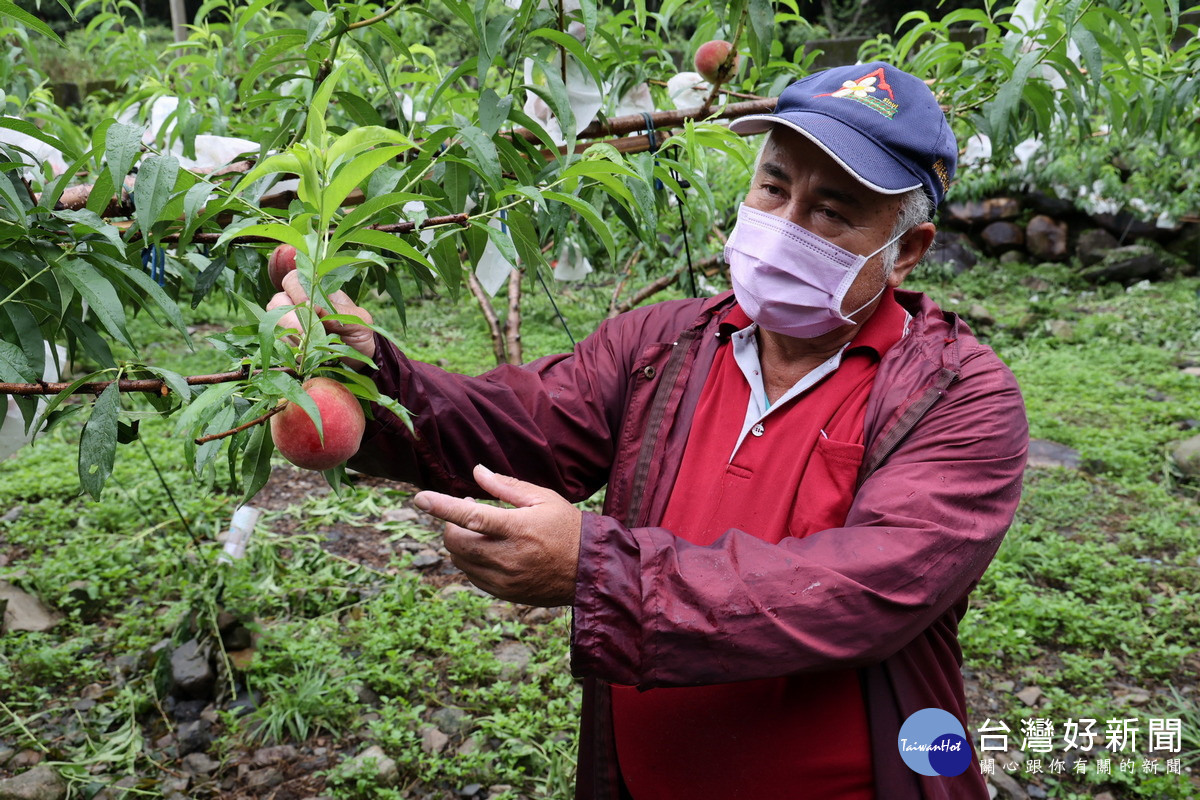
x,y
516,493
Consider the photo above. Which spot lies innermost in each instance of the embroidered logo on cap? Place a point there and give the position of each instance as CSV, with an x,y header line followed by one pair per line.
x,y
939,169
866,90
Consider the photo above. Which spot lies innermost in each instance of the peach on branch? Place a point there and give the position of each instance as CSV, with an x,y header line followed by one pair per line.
x,y
342,421
281,262
710,56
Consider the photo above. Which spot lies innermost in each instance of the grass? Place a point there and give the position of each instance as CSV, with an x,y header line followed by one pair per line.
x,y
1094,596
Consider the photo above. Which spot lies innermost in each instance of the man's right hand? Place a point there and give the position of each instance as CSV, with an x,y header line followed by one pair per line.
x,y
357,337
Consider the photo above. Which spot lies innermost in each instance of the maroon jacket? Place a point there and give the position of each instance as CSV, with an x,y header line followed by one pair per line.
x,y
945,437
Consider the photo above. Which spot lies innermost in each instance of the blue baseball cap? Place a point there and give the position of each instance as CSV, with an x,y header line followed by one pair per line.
x,y
883,125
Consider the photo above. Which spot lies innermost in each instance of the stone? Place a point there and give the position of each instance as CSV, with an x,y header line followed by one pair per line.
x,y
194,736
1044,453
402,514
261,779
498,789
1029,695
953,250
367,696
426,558
1104,796
980,317
192,675
1046,238
13,514
1187,457
1050,205
1007,786
1003,237
451,720
1127,226
514,659
39,783
265,756
237,637
1036,791
1093,245
24,612
373,761
433,741
470,790
979,212
185,710
1012,257
1061,329
1187,246
1128,265
1136,697
200,764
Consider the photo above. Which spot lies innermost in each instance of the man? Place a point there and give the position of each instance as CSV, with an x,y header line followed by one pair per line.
x,y
806,477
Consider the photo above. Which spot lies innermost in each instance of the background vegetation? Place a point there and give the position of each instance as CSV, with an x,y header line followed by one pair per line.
x,y
1093,599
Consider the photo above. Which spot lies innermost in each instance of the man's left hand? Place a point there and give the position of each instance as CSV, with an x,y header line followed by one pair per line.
x,y
526,554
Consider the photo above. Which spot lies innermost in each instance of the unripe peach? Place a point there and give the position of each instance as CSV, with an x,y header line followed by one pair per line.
x,y
710,56
342,421
281,262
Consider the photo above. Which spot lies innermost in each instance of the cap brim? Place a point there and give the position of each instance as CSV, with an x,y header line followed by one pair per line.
x,y
869,163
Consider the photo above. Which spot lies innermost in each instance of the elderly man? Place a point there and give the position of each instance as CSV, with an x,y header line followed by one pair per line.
x,y
806,477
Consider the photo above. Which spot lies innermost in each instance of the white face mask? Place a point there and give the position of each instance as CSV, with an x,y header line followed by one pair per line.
x,y
789,280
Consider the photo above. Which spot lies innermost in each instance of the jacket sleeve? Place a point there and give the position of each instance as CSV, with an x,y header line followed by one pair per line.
x,y
653,610
549,422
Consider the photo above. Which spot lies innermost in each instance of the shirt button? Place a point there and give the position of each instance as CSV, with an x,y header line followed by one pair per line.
x,y
650,372
758,429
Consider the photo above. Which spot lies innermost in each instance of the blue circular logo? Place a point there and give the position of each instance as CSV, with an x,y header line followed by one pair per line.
x,y
933,742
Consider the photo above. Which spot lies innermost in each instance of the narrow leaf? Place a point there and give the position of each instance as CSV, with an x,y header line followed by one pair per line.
x,y
98,443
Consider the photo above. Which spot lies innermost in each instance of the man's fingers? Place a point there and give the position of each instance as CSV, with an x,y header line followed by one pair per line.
x,y
508,489
468,514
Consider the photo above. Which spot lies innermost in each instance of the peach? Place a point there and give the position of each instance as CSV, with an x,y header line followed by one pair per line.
x,y
281,262
710,56
342,421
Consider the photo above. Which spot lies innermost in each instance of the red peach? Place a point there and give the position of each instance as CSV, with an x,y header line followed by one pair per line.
x,y
342,421
710,56
281,262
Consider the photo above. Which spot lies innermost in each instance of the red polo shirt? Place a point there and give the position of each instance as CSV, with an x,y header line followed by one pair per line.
x,y
801,736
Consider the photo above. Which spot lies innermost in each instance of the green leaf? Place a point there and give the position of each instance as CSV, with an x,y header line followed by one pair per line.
x,y
10,9
282,384
384,241
154,292
589,213
315,130
155,181
762,29
102,193
351,175
256,461
91,221
33,131
101,297
14,366
98,442
361,139
272,230
194,416
493,110
375,205
122,144
487,160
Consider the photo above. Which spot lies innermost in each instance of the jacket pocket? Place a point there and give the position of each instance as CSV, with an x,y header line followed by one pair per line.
x,y
827,489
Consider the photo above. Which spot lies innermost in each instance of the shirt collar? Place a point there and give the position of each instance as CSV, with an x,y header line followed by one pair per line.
x,y
887,325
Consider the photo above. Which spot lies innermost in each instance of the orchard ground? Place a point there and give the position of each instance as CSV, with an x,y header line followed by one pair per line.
x,y
345,627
